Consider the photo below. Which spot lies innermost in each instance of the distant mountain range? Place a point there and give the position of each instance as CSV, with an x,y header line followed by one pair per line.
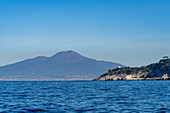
x,y
65,65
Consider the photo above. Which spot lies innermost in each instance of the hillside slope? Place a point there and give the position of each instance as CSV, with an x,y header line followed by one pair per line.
x,y
160,70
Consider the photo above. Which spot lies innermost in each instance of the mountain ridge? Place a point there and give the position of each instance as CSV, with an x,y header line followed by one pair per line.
x,y
62,65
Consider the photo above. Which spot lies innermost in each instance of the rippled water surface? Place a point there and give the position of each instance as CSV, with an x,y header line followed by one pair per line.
x,y
85,96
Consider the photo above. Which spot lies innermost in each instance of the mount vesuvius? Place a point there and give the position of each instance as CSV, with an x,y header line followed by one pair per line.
x,y
64,65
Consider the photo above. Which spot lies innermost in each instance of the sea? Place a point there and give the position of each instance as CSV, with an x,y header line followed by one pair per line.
x,y
85,96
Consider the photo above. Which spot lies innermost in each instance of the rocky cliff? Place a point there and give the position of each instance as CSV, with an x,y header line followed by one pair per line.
x,y
155,71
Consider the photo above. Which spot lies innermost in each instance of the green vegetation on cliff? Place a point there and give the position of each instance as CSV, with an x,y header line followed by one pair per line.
x,y
155,70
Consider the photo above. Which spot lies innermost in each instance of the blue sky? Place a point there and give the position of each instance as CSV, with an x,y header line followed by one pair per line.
x,y
130,32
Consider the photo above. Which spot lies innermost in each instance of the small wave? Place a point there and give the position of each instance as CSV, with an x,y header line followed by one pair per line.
x,y
105,89
35,110
163,109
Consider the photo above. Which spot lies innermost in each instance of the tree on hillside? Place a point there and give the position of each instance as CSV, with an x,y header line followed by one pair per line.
x,y
165,57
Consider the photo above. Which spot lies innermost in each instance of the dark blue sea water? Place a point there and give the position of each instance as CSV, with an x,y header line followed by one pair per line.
x,y
85,96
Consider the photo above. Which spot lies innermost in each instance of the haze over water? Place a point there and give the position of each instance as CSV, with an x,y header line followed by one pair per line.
x,y
85,96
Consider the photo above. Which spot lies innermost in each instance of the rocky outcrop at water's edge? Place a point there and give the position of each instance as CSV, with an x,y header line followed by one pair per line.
x,y
155,71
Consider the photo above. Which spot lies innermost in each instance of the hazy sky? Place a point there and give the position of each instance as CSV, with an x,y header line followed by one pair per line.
x,y
130,32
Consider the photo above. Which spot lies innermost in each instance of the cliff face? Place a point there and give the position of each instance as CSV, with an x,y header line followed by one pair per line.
x,y
160,70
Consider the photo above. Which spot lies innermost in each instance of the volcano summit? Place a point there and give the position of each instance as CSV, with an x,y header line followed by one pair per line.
x,y
66,65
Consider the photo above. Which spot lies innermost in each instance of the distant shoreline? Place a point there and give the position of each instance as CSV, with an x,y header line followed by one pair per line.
x,y
135,79
132,79
44,80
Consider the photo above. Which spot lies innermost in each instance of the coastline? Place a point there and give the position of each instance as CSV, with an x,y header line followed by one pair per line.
x,y
45,80
130,79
